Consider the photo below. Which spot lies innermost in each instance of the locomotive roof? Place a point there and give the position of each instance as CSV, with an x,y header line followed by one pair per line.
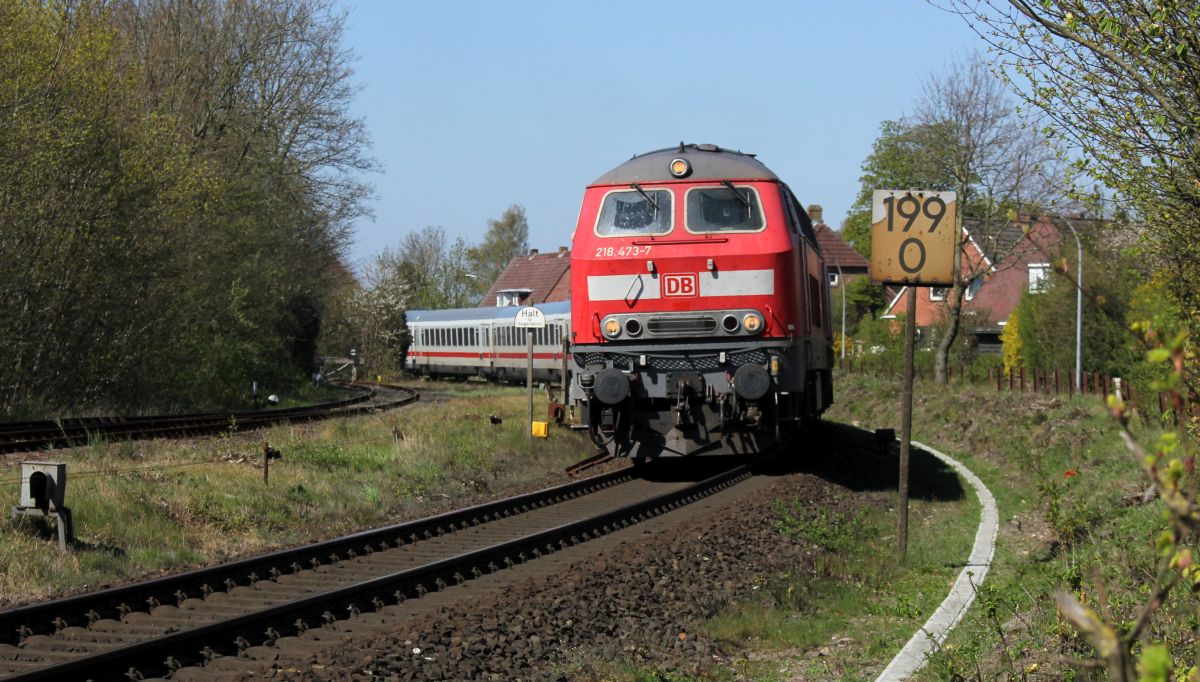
x,y
506,313
708,161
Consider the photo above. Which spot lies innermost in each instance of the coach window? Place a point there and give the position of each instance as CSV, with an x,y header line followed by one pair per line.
x,y
723,209
635,211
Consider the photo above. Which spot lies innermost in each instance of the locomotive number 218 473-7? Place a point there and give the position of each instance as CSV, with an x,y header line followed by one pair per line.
x,y
621,251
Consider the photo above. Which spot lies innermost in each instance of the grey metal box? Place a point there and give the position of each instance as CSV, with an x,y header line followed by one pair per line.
x,y
51,477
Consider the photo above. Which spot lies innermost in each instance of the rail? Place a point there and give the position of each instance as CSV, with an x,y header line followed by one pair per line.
x,y
40,435
272,602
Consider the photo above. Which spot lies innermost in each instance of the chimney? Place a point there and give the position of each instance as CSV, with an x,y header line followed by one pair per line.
x,y
532,253
814,214
562,251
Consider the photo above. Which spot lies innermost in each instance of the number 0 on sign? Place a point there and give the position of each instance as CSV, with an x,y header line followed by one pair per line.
x,y
913,237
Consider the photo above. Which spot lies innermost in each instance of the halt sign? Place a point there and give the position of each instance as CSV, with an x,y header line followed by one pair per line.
x,y
914,236
530,318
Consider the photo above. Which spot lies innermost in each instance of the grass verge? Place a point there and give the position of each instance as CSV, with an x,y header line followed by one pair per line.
x,y
1073,518
147,507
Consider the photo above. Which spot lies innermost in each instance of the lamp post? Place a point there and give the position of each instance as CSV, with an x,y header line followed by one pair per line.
x,y
842,289
470,275
1078,307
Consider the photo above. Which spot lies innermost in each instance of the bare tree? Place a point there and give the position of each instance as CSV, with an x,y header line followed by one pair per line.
x,y
999,165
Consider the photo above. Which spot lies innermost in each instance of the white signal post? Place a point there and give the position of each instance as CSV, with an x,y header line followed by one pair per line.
x,y
915,237
529,318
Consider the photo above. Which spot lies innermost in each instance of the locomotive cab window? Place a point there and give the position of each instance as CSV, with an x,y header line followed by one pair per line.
x,y
723,209
634,212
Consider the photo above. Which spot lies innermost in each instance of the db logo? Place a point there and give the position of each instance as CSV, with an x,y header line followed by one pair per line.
x,y
680,286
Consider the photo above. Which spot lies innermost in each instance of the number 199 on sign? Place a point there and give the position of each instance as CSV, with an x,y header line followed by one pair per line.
x,y
910,207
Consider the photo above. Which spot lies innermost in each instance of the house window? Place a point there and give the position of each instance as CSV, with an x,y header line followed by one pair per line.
x,y
833,279
937,293
973,288
1039,274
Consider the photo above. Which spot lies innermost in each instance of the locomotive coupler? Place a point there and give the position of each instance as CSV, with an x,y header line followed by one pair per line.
x,y
689,388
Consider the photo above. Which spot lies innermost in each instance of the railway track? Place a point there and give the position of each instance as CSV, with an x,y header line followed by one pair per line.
x,y
236,618
40,435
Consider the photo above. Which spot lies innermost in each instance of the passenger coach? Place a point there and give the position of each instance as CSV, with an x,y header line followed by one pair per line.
x,y
485,342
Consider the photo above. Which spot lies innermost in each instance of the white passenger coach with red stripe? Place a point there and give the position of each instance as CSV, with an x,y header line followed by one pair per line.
x,y
483,342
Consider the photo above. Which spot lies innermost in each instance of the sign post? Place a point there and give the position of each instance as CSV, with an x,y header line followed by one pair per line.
x,y
914,242
530,319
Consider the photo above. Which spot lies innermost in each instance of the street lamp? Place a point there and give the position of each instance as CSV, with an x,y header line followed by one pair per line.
x,y
1078,307
842,288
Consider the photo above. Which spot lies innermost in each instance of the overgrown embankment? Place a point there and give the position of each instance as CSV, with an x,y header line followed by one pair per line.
x,y
1076,516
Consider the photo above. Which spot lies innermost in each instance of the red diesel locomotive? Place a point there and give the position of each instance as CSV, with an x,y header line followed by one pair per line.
x,y
700,309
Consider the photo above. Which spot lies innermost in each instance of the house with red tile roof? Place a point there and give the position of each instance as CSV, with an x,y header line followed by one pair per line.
x,y
841,260
1011,259
533,278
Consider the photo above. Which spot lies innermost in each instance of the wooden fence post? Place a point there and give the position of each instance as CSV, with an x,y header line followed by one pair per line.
x,y
1055,381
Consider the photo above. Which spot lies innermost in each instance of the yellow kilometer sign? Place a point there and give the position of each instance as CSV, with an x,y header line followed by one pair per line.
x,y
913,237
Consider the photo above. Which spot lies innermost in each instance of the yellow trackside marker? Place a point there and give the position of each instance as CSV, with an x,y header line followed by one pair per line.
x,y
540,429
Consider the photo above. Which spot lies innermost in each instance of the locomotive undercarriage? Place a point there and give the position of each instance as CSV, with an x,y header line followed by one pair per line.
x,y
671,401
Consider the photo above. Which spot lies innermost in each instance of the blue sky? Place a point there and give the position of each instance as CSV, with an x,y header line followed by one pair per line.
x,y
474,106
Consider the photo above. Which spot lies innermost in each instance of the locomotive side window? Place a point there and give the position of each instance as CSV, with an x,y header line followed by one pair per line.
x,y
635,212
723,209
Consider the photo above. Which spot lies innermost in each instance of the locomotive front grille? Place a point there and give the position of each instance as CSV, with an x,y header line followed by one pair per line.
x,y
671,363
679,324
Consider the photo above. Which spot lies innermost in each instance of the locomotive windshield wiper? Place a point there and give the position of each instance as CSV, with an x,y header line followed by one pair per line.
x,y
729,186
645,195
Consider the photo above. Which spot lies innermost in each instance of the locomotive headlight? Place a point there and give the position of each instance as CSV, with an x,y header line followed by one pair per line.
x,y
612,328
680,168
752,323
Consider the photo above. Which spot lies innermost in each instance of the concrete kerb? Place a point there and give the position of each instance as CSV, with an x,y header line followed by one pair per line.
x,y
952,609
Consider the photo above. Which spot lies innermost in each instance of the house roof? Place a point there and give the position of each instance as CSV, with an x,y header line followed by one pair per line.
x,y
542,274
837,252
996,241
